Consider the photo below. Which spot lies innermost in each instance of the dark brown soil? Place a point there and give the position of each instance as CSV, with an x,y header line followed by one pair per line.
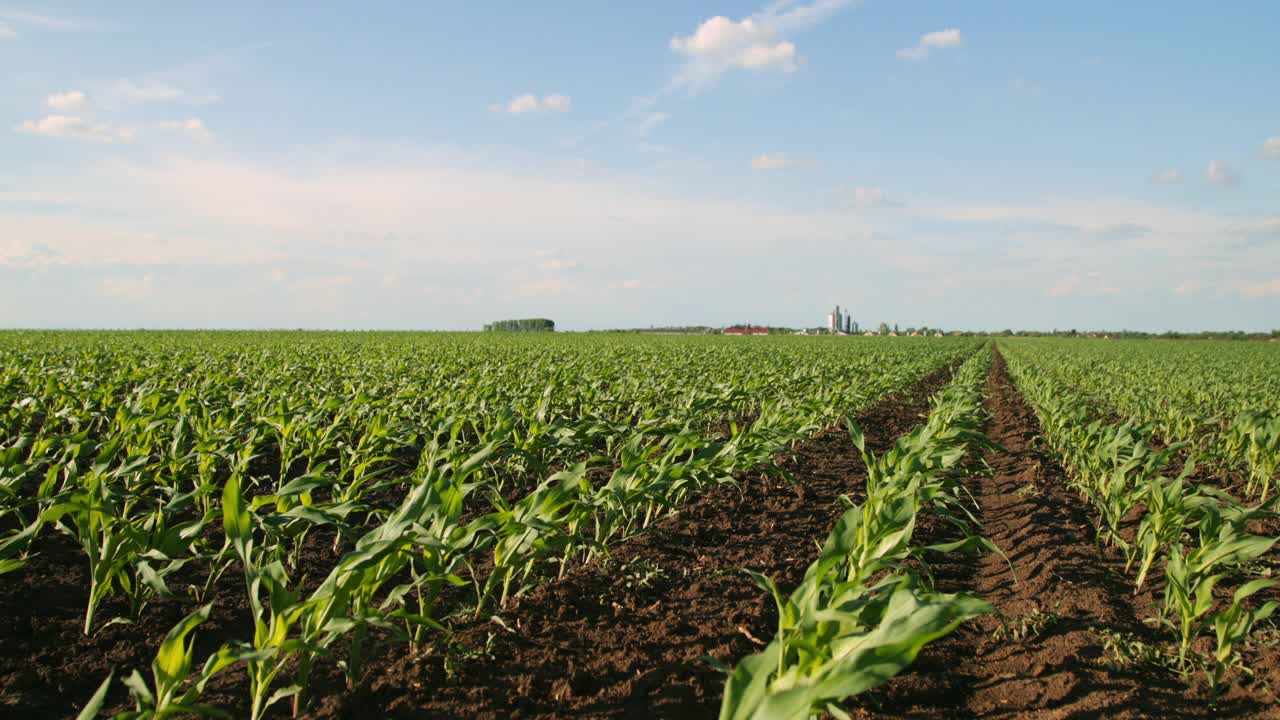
x,y
626,637
1058,664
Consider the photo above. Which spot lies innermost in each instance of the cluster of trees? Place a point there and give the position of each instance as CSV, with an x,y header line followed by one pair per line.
x,y
523,325
884,329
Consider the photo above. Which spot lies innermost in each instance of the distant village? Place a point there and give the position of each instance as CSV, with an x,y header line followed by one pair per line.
x,y
839,322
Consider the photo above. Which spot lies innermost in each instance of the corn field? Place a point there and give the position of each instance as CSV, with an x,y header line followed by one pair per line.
x,y
264,524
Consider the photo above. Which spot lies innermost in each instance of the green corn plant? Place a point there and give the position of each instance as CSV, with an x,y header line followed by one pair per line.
x,y
165,547
273,642
272,645
1263,454
173,690
296,514
1171,506
858,641
422,535
528,532
1191,577
1232,626
97,523
442,540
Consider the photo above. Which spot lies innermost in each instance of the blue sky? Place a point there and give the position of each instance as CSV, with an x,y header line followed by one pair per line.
x,y
440,165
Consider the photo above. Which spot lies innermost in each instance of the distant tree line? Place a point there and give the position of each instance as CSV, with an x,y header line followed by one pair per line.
x,y
1135,334
523,325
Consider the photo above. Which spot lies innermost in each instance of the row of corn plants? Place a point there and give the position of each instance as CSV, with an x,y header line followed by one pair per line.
x,y
176,461
1220,400
1195,535
864,610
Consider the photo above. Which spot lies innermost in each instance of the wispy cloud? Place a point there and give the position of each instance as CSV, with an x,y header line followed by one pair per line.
x,y
70,101
650,122
1081,285
1220,173
530,103
44,21
192,127
758,42
7,33
554,260
1271,148
1269,288
127,90
1169,176
929,42
69,126
864,198
1025,87
128,287
778,161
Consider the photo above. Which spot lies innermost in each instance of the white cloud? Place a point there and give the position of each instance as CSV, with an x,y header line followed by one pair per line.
x,y
650,122
155,91
1220,173
69,101
43,21
949,38
1270,288
864,198
939,40
193,127
35,197
530,103
544,287
7,33
1064,287
1188,287
73,126
1087,215
720,44
774,161
758,42
1271,148
1023,86
67,126
1081,285
1170,176
631,284
129,288
554,260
